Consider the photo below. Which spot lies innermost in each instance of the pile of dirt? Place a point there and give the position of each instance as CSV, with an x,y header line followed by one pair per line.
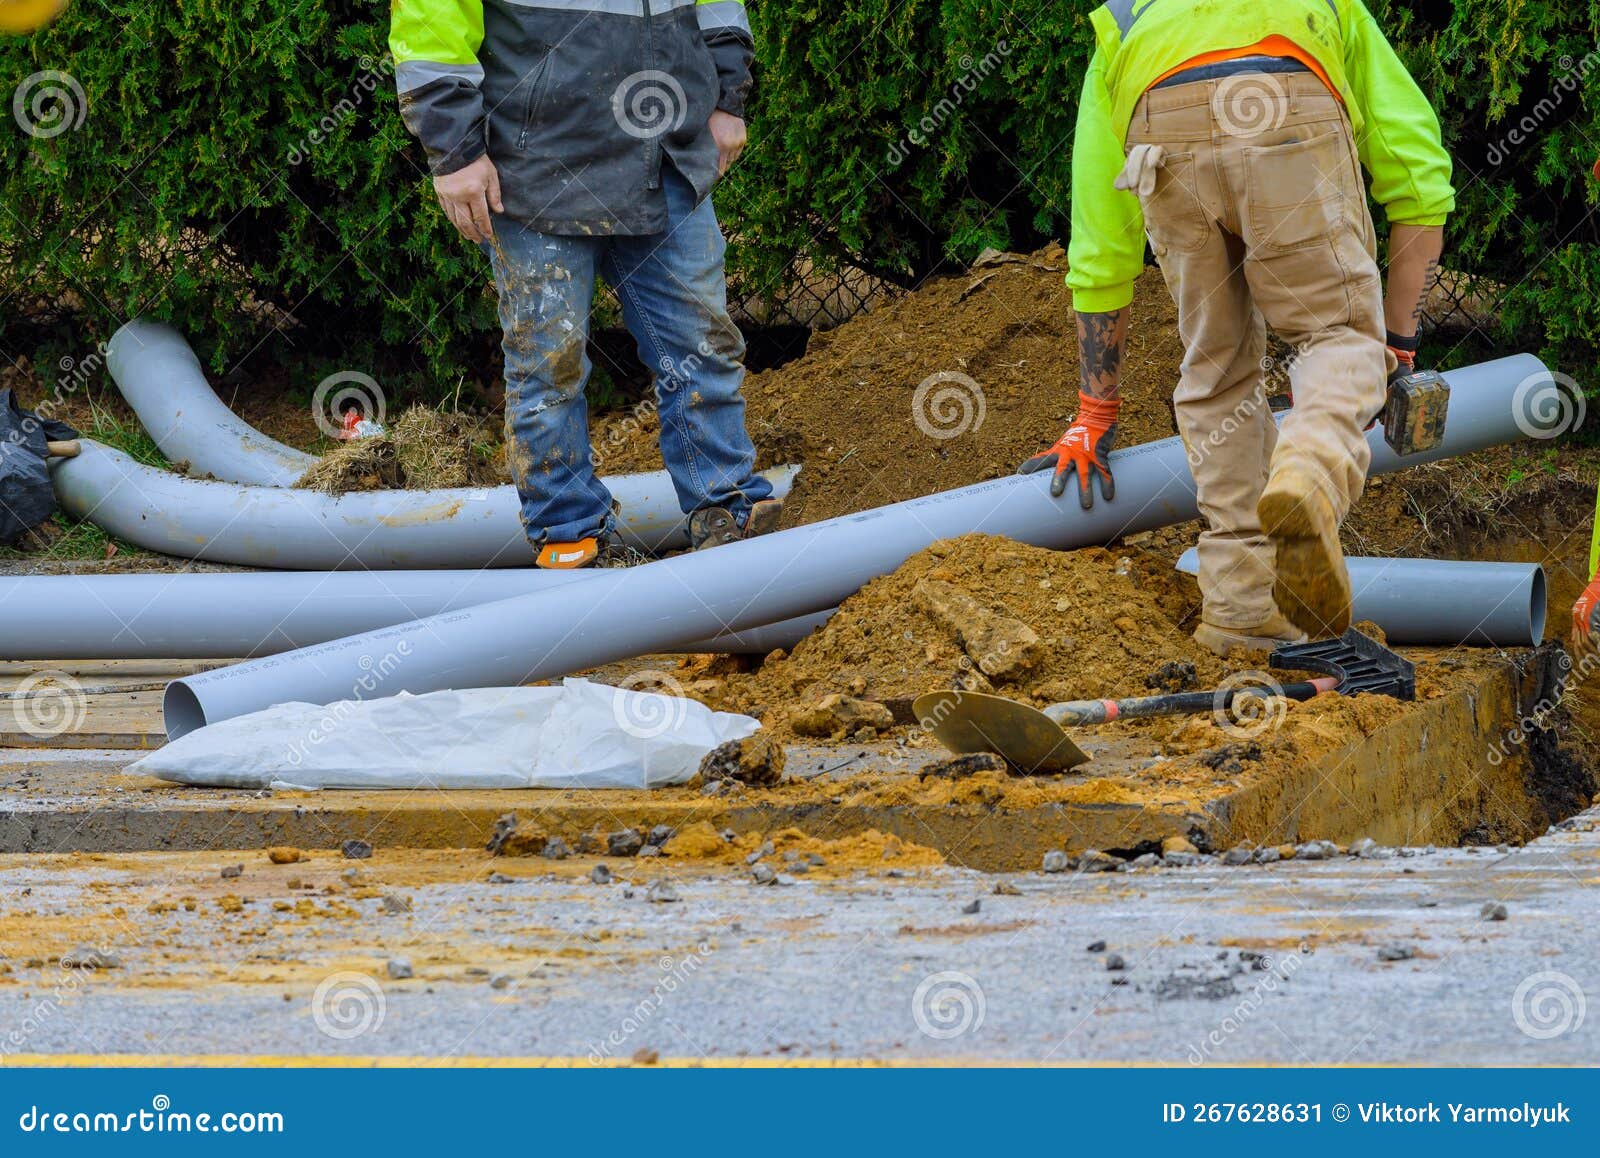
x,y
986,613
953,384
424,449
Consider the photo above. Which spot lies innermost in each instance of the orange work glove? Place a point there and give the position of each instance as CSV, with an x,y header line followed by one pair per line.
x,y
1086,445
1586,617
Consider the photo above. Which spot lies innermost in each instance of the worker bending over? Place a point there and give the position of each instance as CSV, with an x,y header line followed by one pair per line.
x,y
1243,164
583,137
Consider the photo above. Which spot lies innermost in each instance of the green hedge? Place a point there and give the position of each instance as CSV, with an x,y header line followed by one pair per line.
x,y
241,163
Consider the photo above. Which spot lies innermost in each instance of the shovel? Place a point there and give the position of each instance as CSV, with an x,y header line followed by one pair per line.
x,y
1033,740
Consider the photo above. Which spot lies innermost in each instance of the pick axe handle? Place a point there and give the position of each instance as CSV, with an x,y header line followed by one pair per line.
x,y
1179,704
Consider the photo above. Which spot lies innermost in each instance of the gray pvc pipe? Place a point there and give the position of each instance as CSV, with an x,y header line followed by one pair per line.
x,y
659,606
1442,602
228,615
163,381
261,526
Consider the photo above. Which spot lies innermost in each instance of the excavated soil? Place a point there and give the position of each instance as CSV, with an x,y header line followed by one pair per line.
x,y
953,384
989,614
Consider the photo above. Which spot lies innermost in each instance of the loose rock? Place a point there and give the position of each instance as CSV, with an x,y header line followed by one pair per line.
x,y
600,875
972,908
232,870
1493,911
841,715
555,849
399,968
1397,953
628,842
284,855
1115,963
757,760
356,850
1238,854
763,875
1055,861
661,893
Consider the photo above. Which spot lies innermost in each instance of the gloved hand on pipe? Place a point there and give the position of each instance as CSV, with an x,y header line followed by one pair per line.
x,y
1586,618
1084,447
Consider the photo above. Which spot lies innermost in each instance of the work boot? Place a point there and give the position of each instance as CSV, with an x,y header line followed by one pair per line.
x,y
714,526
1313,586
1274,633
603,550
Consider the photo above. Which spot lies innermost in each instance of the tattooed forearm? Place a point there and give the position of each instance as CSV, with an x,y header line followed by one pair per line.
x,y
1413,268
1102,342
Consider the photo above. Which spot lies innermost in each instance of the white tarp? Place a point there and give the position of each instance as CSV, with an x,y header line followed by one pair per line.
x,y
577,735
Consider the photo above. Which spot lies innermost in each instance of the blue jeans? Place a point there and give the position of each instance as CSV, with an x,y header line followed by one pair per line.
x,y
674,302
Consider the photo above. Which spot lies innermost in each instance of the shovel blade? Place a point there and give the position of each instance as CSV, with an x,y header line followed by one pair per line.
x,y
1024,737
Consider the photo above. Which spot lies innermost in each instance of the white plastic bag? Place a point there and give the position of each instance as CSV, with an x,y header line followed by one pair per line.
x,y
578,735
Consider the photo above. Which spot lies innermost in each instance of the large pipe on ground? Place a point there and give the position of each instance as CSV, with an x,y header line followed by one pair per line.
x,y
1442,602
227,615
163,381
661,605
258,526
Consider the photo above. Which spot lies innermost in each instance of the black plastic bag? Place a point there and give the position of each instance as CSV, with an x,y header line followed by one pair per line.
x,y
26,496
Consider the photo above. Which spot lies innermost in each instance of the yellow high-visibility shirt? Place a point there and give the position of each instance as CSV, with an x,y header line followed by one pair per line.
x,y
1138,42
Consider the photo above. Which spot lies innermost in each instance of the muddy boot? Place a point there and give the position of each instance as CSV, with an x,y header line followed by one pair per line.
x,y
714,526
1313,586
1274,633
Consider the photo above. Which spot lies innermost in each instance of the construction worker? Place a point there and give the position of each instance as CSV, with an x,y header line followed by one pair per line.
x,y
1586,612
572,138
1231,132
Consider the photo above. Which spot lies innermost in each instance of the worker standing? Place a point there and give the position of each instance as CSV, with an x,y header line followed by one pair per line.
x,y
1243,163
583,137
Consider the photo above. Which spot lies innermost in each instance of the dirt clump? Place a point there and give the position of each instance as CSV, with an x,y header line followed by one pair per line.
x,y
989,614
757,759
424,449
953,384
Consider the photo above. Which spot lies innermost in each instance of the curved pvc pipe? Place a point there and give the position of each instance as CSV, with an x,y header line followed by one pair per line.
x,y
163,381
165,384
1442,602
227,615
659,606
306,530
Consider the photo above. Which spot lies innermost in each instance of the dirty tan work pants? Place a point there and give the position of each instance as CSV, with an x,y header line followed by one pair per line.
x,y
1258,217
